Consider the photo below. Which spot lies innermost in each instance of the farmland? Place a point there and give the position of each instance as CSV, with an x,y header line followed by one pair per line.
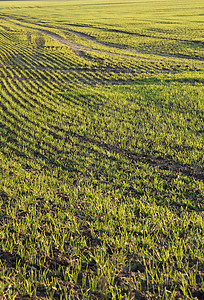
x,y
101,149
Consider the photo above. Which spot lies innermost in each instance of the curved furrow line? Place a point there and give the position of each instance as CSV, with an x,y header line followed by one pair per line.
x,y
20,126
80,48
14,136
126,32
162,162
7,95
40,98
6,17
44,91
22,90
74,46
19,98
16,109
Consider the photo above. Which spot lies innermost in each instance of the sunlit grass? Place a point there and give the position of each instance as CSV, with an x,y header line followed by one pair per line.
x,y
101,155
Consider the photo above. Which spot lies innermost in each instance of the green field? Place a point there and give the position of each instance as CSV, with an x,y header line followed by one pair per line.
x,y
102,149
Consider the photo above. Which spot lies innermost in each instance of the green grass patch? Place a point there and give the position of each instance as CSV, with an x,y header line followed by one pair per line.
x,y
101,150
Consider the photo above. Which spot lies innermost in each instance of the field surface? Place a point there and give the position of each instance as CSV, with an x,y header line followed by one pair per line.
x,y
101,149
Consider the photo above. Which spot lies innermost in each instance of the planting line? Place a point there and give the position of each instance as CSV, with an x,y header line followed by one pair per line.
x,y
79,49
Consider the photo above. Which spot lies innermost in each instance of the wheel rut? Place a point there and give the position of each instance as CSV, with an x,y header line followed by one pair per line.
x,y
80,49
77,48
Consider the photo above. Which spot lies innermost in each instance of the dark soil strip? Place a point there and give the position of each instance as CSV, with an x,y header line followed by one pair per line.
x,y
163,162
138,34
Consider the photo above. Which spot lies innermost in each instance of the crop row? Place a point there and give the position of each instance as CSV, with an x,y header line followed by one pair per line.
x,y
101,187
